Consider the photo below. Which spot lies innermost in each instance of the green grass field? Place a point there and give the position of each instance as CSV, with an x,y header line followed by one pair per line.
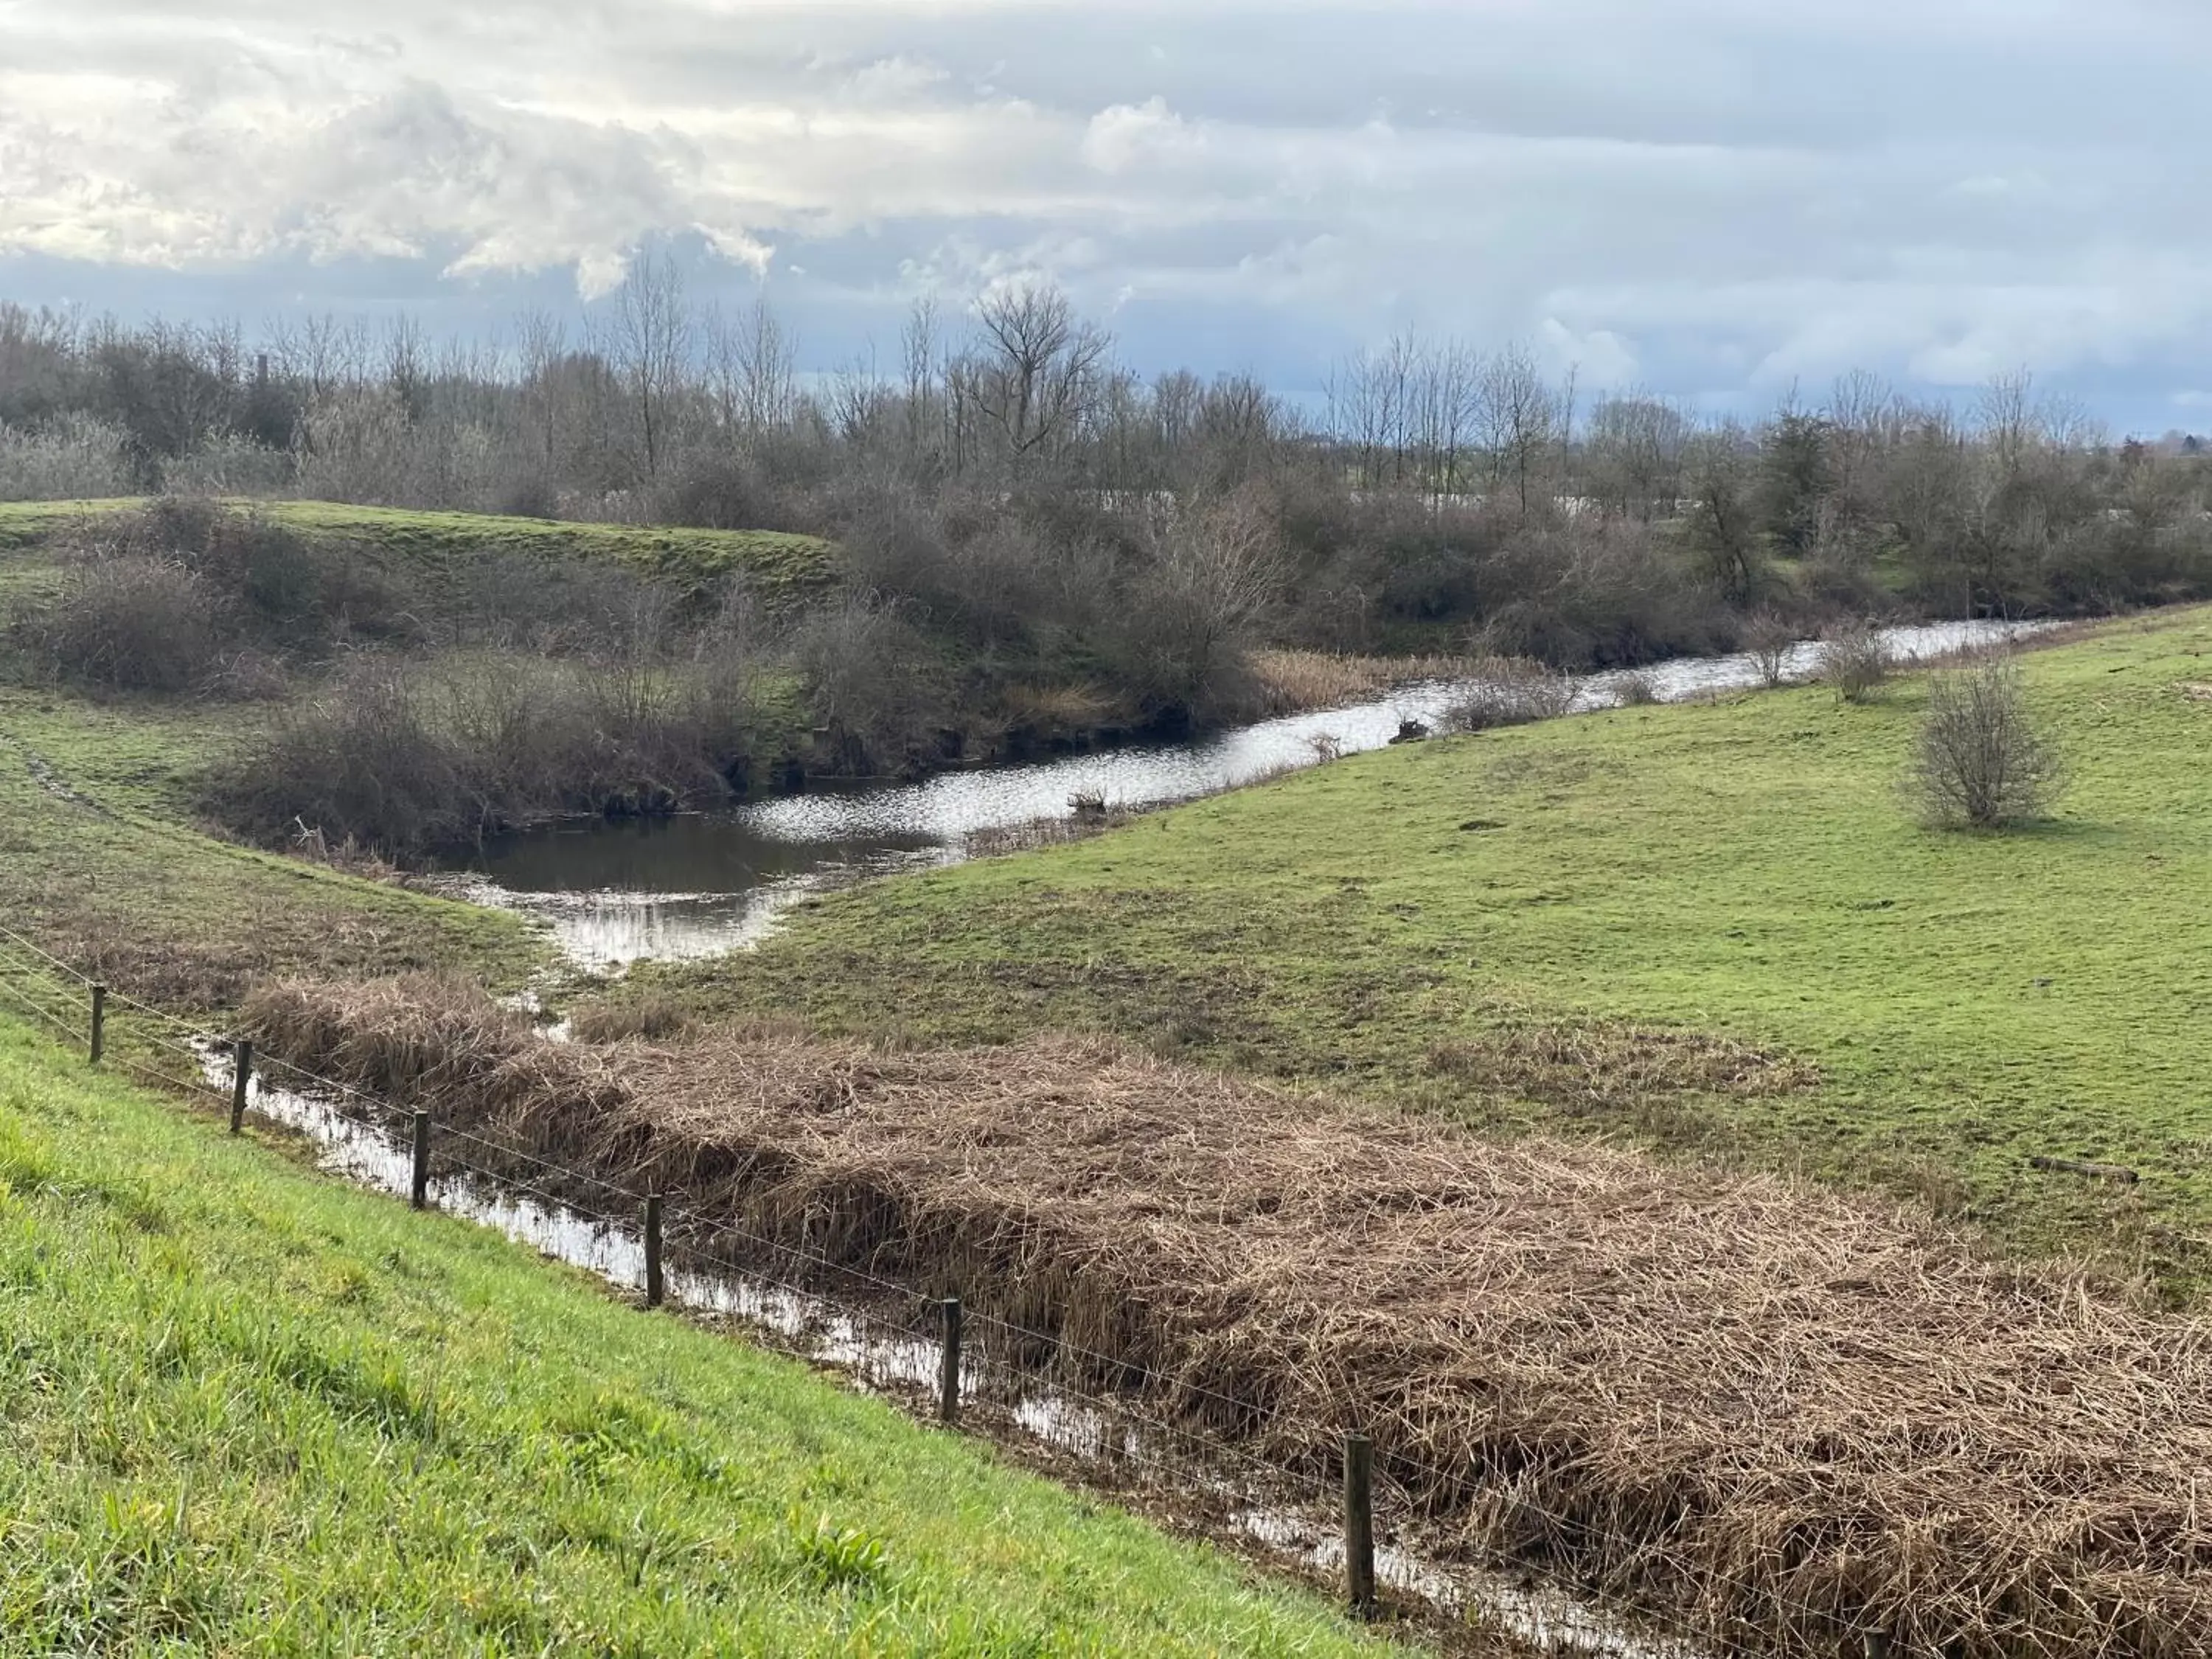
x,y
245,1409
782,566
1427,924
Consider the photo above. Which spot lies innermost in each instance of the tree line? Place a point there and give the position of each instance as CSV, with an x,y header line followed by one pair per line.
x,y
1005,482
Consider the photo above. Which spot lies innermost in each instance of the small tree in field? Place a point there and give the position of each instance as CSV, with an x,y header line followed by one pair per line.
x,y
1981,764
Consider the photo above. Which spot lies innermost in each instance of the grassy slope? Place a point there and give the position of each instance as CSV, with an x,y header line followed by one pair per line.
x,y
111,872
246,1409
1746,868
783,565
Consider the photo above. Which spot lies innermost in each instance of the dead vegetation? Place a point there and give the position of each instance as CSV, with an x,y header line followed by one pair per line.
x,y
1607,1064
652,1016
1295,682
1780,1416
1510,691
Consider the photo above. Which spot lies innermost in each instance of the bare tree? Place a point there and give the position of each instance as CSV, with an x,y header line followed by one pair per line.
x,y
1035,368
918,355
752,366
1720,526
1633,455
1217,568
1520,418
649,342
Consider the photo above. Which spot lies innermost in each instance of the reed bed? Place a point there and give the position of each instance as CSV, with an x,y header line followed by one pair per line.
x,y
1294,682
1778,1417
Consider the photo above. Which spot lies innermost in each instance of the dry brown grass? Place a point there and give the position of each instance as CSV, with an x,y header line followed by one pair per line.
x,y
1778,1415
1609,1064
651,1016
1033,833
1292,682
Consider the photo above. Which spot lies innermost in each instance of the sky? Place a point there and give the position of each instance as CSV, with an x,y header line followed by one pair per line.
x,y
1712,199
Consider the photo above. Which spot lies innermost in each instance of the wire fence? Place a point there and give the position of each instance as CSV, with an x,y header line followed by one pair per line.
x,y
1027,1387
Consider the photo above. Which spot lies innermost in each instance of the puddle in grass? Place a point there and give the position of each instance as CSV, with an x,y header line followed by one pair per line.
x,y
877,1358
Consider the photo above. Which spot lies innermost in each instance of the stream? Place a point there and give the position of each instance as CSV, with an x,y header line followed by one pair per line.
x,y
619,891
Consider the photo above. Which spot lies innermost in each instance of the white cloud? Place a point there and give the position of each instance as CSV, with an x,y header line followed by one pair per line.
x,y
1716,192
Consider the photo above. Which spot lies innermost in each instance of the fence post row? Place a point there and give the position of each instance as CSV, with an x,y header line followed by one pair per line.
x,y
419,1191
654,1288
948,1376
1359,1524
241,1068
98,1022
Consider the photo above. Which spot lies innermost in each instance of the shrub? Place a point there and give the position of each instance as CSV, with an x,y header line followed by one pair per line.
x,y
1856,660
872,684
403,757
1981,763
1767,639
130,620
1510,691
72,459
1635,690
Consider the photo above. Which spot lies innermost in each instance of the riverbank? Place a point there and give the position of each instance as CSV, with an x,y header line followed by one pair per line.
x,y
1517,930
251,1406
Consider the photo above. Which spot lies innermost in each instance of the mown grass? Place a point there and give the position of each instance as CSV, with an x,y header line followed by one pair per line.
x,y
245,1409
1451,924
782,566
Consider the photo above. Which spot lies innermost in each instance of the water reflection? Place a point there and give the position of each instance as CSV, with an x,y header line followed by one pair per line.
x,y
619,891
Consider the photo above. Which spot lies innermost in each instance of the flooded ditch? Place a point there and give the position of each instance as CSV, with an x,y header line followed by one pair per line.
x,y
879,1353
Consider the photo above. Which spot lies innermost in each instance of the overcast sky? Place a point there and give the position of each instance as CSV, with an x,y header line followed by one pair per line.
x,y
1710,197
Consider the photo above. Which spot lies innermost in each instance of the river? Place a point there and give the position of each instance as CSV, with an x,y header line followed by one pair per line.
x,y
619,891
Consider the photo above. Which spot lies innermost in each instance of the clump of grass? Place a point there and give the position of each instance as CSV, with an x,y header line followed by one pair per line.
x,y
1628,1371
838,1558
652,1016
1611,1065
1297,682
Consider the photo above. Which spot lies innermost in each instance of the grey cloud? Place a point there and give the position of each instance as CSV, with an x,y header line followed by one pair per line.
x,y
1715,195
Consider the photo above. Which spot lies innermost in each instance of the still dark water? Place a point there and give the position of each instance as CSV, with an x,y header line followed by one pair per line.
x,y
620,891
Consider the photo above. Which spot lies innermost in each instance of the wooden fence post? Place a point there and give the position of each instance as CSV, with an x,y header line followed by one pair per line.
x,y
241,1073
654,1288
98,1022
419,1193
948,1376
1359,1524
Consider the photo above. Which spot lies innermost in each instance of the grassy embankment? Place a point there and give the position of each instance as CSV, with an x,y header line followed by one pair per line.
x,y
100,858
1524,929
783,566
249,1410
102,851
